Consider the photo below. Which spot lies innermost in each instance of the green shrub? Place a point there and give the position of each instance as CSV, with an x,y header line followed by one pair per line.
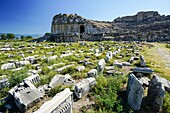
x,y
17,77
69,70
106,94
166,104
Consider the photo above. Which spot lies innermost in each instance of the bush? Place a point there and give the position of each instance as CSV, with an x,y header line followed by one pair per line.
x,y
106,94
17,77
166,104
69,70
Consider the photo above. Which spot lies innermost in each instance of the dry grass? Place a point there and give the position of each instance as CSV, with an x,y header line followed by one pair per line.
x,y
155,60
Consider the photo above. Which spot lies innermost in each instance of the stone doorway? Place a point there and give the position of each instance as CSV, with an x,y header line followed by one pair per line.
x,y
82,29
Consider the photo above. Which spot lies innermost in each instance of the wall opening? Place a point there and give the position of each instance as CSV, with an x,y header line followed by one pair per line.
x,y
82,29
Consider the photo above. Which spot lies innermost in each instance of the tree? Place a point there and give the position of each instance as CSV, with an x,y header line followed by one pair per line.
x,y
3,36
29,37
10,36
22,37
47,34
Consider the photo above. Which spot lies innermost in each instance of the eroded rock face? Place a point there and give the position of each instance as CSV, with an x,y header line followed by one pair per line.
x,y
134,92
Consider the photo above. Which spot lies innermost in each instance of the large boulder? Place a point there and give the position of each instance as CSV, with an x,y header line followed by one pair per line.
x,y
134,92
156,92
164,82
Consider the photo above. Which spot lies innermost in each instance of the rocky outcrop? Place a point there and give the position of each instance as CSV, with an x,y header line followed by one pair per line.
x,y
144,26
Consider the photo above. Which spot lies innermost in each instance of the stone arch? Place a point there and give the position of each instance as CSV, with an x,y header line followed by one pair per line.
x,y
82,29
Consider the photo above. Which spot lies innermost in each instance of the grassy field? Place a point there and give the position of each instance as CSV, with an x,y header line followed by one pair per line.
x,y
155,58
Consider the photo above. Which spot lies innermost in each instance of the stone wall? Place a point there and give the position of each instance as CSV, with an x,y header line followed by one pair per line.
x,y
67,24
139,17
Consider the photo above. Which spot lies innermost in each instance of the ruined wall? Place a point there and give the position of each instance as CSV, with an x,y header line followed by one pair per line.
x,y
65,28
144,15
140,16
70,24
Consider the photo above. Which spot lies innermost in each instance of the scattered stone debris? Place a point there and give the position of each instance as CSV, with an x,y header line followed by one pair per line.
x,y
83,87
61,80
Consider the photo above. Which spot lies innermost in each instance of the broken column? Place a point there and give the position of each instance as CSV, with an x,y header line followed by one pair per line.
x,y
134,92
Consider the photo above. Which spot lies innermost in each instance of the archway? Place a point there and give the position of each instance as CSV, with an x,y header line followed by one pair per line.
x,y
82,29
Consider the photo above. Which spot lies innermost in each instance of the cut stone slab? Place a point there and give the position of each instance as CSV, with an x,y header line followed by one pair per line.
x,y
101,66
8,66
134,92
109,67
143,70
22,63
64,67
52,58
125,63
119,65
80,68
110,72
92,73
144,81
84,86
61,80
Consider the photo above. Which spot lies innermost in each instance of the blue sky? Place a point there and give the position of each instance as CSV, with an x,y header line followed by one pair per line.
x,y
35,16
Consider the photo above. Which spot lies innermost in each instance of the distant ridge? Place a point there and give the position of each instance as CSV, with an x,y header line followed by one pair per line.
x,y
33,35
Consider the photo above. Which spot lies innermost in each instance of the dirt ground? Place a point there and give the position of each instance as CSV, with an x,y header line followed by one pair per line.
x,y
164,53
81,103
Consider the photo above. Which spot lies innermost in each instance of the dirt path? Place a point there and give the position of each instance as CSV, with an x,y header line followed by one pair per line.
x,y
164,54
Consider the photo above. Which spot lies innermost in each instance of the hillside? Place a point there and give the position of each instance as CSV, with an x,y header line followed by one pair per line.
x,y
19,35
150,26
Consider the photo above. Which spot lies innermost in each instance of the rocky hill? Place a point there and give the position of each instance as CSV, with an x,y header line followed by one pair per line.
x,y
150,26
144,26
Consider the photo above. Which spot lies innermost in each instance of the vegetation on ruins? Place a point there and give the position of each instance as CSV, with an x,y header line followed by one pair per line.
x,y
166,104
107,94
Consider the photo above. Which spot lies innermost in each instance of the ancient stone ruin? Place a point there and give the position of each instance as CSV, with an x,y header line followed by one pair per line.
x,y
72,28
